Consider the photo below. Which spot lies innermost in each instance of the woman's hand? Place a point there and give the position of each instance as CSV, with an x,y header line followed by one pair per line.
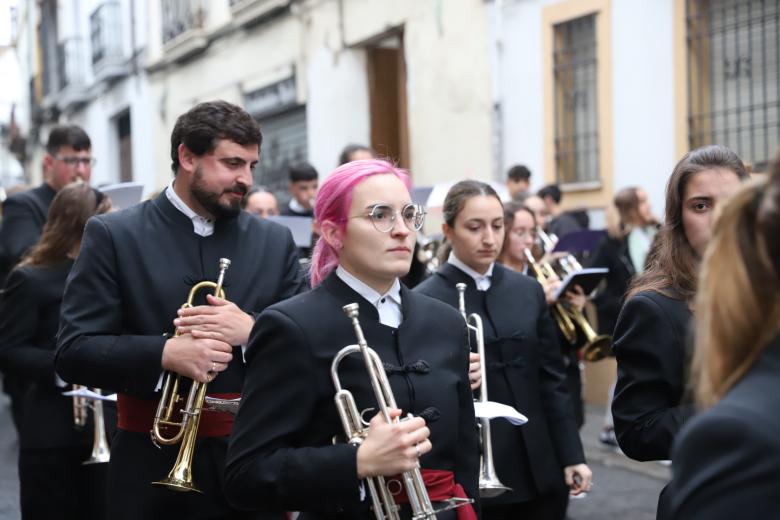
x,y
576,298
475,375
390,449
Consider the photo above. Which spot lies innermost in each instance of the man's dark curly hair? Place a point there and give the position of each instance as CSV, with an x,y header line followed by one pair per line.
x,y
202,126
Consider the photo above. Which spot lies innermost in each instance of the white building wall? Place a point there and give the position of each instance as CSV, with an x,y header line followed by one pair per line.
x,y
642,86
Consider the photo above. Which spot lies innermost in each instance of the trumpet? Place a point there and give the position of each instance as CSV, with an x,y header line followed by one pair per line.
x,y
489,484
81,406
384,505
597,347
100,450
180,476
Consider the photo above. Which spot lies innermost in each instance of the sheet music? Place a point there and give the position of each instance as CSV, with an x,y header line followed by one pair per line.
x,y
492,410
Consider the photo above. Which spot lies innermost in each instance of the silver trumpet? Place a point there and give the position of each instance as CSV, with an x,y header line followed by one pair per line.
x,y
100,451
489,484
81,406
384,505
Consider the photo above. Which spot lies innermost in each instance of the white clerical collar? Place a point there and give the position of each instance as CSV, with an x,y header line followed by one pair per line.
x,y
482,281
388,305
297,207
201,226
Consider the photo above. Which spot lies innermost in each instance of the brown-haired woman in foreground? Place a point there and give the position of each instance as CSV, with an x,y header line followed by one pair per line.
x,y
651,334
727,460
53,483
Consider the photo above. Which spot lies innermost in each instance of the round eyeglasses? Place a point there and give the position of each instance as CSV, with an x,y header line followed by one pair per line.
x,y
383,216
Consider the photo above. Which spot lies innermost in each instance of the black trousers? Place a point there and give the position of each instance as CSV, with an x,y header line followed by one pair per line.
x,y
53,483
136,462
544,507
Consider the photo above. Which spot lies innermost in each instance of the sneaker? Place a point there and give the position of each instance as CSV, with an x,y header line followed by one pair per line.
x,y
607,437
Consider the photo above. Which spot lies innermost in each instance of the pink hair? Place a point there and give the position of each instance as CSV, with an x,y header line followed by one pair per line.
x,y
334,199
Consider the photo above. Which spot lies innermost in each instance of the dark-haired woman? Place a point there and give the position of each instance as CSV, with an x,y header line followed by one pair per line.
x,y
652,331
520,235
52,480
282,455
542,461
726,460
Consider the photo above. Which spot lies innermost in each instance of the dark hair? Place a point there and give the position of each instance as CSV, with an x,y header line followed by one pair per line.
x,y
454,202
202,126
738,304
67,135
552,191
519,172
621,212
68,214
255,189
348,150
672,262
302,172
510,210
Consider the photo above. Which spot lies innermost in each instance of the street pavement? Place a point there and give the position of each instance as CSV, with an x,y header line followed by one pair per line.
x,y
623,489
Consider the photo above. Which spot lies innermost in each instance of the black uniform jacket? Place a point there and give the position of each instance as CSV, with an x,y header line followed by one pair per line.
x,y
136,268
29,316
524,370
24,215
727,459
281,454
612,253
651,345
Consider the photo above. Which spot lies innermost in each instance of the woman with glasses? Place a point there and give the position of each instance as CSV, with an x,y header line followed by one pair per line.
x,y
282,456
542,461
520,236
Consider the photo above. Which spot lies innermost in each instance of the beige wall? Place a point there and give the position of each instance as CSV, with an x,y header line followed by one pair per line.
x,y
448,85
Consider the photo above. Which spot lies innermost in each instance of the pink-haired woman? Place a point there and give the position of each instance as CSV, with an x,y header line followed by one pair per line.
x,y
282,456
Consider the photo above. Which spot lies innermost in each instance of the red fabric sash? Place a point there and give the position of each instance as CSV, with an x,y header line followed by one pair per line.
x,y
137,415
441,486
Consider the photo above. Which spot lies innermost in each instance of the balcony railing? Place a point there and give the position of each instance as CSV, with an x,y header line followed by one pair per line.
x,y
108,57
71,70
181,16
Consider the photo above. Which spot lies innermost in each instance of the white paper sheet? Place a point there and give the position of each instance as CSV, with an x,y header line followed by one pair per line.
x,y
89,394
492,410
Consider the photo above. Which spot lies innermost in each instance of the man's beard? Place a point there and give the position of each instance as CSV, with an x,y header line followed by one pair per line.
x,y
210,201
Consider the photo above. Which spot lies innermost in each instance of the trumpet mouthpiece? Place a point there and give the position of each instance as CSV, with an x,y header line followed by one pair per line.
x,y
351,310
224,263
460,286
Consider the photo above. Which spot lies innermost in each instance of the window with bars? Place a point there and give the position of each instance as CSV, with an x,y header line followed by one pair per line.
x,y
734,76
576,112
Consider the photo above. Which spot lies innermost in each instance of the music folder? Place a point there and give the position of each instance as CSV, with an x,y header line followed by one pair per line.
x,y
300,227
588,279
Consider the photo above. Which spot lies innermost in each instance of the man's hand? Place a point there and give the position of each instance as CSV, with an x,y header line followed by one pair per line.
x,y
475,376
390,449
578,478
220,320
198,359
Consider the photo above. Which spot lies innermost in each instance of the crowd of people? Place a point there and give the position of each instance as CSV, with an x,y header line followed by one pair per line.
x,y
92,299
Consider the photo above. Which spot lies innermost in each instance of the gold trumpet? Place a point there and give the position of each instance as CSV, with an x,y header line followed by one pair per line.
x,y
597,347
180,476
489,484
384,505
